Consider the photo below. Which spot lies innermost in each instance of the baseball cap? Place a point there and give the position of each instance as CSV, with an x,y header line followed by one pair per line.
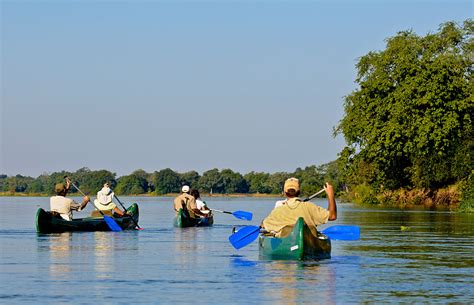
x,y
291,183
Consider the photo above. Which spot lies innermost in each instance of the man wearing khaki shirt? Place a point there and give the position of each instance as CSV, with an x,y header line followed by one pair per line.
x,y
293,208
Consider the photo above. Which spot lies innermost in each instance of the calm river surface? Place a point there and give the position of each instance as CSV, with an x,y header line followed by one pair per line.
x,y
431,261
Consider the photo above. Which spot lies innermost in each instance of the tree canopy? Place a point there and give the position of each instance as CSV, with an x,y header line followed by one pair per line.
x,y
409,123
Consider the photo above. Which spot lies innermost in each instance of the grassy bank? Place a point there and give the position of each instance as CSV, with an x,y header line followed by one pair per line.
x,y
458,197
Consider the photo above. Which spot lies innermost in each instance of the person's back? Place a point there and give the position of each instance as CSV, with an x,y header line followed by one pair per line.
x,y
294,208
61,205
288,211
186,202
181,202
64,206
104,199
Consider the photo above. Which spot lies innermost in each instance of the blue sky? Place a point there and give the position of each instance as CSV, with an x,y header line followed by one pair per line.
x,y
245,85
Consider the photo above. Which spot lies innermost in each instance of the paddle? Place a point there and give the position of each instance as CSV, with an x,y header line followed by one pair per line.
x,y
238,214
136,223
314,195
108,220
248,234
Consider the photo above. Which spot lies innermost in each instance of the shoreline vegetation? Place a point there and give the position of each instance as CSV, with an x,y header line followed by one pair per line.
x,y
453,198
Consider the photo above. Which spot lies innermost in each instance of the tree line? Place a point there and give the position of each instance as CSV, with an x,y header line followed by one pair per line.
x,y
167,181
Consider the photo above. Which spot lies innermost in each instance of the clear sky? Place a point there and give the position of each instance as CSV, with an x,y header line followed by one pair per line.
x,y
189,85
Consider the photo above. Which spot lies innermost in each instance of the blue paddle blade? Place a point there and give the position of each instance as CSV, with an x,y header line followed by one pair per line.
x,y
244,236
343,232
243,215
112,224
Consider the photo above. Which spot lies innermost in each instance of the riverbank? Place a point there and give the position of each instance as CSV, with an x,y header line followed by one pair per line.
x,y
457,197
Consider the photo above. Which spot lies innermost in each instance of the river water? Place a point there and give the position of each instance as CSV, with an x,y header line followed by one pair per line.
x,y
402,257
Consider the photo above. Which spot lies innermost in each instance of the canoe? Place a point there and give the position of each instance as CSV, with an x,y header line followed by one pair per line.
x,y
182,220
300,244
46,222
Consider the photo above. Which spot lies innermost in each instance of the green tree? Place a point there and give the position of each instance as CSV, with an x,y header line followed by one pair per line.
x,y
276,182
146,179
233,182
90,182
166,181
190,178
258,183
211,181
311,179
130,185
410,121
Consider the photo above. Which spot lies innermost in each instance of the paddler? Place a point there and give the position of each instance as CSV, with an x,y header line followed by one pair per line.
x,y
64,206
188,203
104,201
288,211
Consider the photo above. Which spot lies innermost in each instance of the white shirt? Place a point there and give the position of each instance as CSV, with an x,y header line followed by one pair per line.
x,y
279,203
64,206
200,204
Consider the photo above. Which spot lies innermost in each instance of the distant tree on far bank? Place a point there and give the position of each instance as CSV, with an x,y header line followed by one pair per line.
x,y
410,122
166,181
131,185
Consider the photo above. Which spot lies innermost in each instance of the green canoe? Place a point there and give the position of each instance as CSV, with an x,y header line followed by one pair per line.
x,y
47,223
182,220
300,244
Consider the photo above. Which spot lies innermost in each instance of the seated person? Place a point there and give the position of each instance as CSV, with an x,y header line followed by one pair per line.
x,y
105,204
201,205
64,206
188,203
293,208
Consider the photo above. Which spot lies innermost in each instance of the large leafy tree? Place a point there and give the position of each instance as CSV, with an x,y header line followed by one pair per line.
x,y
166,181
233,182
131,184
190,178
211,181
258,182
410,122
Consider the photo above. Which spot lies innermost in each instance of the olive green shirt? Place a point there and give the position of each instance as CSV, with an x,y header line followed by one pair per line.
x,y
290,211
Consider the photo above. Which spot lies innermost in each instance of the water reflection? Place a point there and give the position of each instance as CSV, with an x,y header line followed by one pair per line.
x,y
60,252
185,245
70,251
291,280
103,257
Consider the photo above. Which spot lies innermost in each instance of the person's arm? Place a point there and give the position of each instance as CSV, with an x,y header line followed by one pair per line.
x,y
120,212
78,207
332,208
85,201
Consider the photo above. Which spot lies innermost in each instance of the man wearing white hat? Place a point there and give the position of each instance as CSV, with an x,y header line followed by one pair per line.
x,y
188,203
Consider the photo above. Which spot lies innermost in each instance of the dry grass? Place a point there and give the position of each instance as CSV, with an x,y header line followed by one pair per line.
x,y
442,199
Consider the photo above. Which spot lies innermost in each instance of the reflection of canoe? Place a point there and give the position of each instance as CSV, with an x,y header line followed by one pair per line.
x,y
183,220
298,245
47,223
